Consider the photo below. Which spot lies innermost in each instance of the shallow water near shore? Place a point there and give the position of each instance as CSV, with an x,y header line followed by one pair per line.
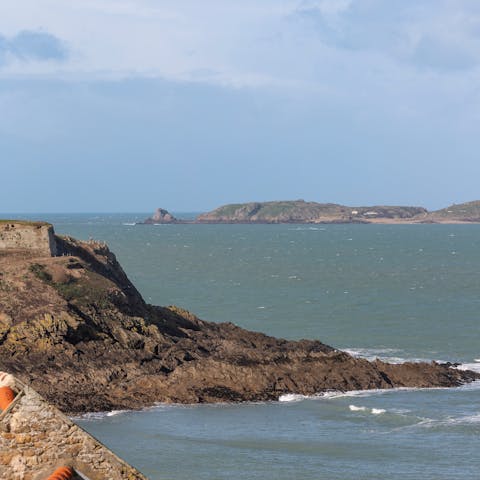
x,y
393,435
396,292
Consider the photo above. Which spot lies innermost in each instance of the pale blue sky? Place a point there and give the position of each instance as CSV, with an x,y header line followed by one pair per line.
x,y
129,105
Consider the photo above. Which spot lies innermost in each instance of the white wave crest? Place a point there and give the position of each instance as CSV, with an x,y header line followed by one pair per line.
x,y
374,411
115,412
475,367
390,355
99,415
292,397
354,408
361,393
449,421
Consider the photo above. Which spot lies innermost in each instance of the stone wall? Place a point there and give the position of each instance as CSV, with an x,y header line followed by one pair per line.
x,y
39,237
36,438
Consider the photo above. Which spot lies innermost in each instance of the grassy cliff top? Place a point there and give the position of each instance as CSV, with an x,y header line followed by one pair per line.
x,y
25,223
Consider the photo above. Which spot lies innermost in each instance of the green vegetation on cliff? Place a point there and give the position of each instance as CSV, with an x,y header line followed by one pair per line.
x,y
462,212
299,211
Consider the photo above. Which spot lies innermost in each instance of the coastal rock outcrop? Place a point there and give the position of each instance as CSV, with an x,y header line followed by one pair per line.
x,y
76,329
160,216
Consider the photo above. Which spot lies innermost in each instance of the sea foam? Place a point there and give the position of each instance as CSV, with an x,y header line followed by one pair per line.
x,y
475,367
292,397
354,408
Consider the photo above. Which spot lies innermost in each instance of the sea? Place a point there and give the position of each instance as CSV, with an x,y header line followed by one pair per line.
x,y
395,292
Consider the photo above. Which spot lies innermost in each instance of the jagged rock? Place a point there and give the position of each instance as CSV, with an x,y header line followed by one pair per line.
x,y
160,216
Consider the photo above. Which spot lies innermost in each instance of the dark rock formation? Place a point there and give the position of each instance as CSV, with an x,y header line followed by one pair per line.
x,y
160,216
77,330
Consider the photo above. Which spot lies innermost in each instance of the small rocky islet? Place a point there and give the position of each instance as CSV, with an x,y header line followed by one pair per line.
x,y
75,328
300,211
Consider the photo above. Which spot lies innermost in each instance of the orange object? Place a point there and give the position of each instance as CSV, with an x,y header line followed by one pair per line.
x,y
62,473
6,397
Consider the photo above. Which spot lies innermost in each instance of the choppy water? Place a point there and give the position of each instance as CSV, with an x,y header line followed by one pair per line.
x,y
397,292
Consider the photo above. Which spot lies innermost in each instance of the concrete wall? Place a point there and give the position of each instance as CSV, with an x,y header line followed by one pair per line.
x,y
31,236
36,438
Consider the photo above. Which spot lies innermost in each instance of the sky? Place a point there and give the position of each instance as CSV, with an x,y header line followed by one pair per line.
x,y
130,105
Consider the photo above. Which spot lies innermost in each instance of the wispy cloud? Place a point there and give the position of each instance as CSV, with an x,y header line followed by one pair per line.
x,y
441,36
316,45
29,45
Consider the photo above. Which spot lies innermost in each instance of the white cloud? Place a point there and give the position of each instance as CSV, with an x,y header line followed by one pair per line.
x,y
400,56
328,8
142,39
145,36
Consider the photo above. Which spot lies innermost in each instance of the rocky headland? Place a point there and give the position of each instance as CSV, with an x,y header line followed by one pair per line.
x,y
76,329
300,211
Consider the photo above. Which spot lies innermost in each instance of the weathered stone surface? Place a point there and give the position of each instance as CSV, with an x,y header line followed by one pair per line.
x,y
36,438
35,236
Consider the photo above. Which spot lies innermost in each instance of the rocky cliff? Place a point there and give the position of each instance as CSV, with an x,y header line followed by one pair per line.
x,y
76,329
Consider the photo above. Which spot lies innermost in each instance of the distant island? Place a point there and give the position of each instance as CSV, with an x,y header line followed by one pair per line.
x,y
300,211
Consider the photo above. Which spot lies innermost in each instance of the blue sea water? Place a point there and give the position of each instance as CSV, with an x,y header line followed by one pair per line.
x,y
391,291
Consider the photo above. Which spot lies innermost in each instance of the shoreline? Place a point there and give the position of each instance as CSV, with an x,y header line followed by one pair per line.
x,y
282,399
473,366
302,212
322,222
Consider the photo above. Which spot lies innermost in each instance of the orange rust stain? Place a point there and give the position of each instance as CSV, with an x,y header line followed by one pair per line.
x,y
62,473
6,397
